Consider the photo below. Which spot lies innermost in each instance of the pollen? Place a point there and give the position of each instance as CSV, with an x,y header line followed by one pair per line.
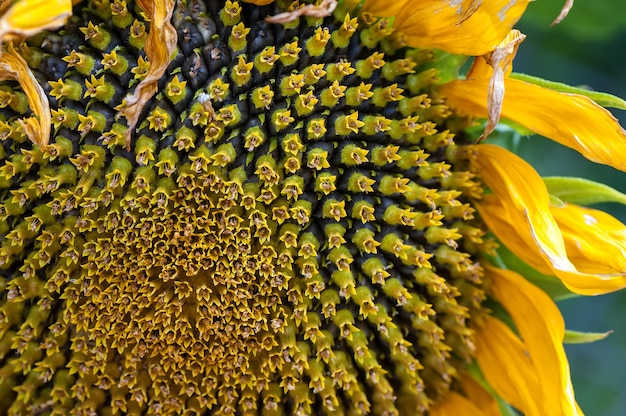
x,y
283,233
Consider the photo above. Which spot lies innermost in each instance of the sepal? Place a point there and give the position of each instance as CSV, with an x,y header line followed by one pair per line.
x,y
582,191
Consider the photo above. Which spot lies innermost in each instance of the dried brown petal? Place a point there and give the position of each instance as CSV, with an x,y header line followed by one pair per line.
x,y
14,67
159,47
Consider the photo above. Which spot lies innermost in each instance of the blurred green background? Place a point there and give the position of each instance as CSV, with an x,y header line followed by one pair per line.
x,y
587,48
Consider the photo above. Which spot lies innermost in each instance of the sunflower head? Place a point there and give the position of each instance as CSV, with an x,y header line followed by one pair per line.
x,y
216,207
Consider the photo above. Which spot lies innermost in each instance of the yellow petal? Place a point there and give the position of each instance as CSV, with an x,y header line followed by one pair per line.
x,y
28,17
384,8
481,397
518,213
14,67
468,27
507,228
504,361
159,47
454,405
594,239
570,119
541,328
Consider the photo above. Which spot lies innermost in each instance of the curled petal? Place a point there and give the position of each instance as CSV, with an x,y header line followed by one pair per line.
x,y
573,120
159,47
518,212
325,8
467,27
595,241
498,218
541,328
14,67
496,65
564,12
26,18
455,404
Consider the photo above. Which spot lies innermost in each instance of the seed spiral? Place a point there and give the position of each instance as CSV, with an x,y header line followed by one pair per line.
x,y
290,231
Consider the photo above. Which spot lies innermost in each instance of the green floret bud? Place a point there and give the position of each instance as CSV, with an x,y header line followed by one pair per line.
x,y
316,45
224,155
185,139
237,39
399,67
241,72
363,211
262,97
353,155
93,121
115,63
230,15
69,89
97,36
417,82
350,124
264,61
253,138
144,149
365,241
138,34
167,162
359,183
83,63
65,117
16,100
289,53
120,15
325,183
341,37
371,35
282,119
99,89
365,67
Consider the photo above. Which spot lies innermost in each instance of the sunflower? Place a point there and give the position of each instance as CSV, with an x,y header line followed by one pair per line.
x,y
259,207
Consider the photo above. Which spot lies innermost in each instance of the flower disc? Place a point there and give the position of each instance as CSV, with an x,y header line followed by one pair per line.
x,y
287,232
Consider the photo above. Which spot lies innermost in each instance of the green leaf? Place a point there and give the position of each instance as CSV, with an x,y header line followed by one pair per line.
x,y
601,98
549,284
576,337
582,191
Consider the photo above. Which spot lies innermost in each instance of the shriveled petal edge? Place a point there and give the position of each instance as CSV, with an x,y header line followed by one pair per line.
x,y
160,45
14,67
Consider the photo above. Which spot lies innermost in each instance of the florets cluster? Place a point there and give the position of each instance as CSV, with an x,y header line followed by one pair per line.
x,y
286,234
